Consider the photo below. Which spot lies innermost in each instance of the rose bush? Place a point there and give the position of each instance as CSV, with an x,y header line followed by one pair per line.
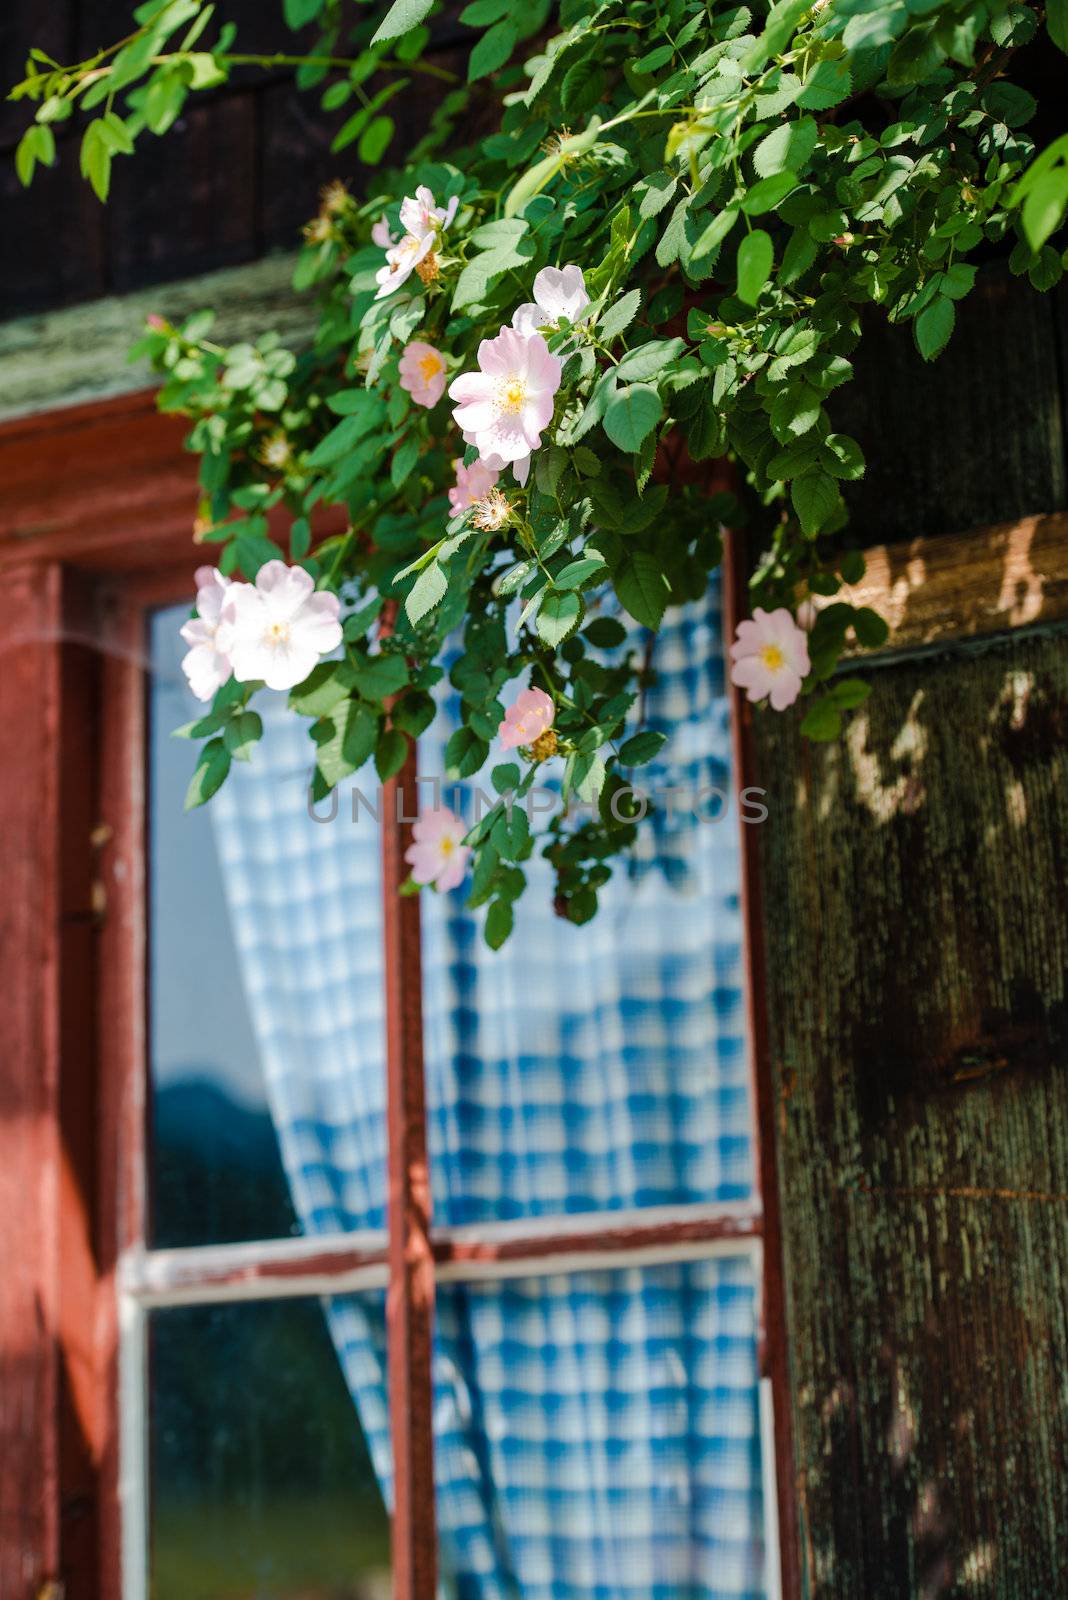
x,y
664,249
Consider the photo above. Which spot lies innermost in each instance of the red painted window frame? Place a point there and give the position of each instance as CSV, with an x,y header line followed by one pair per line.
x,y
96,505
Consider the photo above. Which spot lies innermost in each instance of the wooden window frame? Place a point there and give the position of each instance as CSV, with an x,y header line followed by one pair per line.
x,y
94,532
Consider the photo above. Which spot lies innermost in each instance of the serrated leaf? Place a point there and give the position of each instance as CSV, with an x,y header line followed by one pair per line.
x,y
934,325
642,588
822,722
428,590
815,499
209,774
790,145
755,256
499,921
492,50
632,414
241,733
558,617
391,752
377,677
401,16
640,748
619,316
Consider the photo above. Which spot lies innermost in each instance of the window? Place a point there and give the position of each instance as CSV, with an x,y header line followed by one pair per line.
x,y
570,1276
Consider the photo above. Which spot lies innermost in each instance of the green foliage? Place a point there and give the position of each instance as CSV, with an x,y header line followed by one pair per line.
x,y
739,184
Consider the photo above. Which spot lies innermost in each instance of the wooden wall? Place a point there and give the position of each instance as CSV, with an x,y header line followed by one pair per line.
x,y
235,178
916,922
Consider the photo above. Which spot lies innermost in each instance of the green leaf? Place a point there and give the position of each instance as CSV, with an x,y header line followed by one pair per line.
x,y
401,16
241,733
1043,208
428,590
789,146
642,747
934,325
870,628
499,921
209,774
558,617
390,753
377,677
492,50
576,573
605,633
767,193
815,498
619,316
345,746
755,256
632,414
848,693
300,12
822,722
842,456
505,777
325,687
1057,23
642,588
465,753
715,233
375,140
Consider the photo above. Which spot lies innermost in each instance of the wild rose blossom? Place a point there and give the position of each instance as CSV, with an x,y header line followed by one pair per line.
x,y
472,483
206,664
382,235
558,292
492,512
424,223
527,719
505,404
422,373
401,261
278,628
419,214
770,657
438,854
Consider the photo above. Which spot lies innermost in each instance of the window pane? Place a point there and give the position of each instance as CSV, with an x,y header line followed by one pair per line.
x,y
267,993
598,1437
603,1066
215,1170
261,1481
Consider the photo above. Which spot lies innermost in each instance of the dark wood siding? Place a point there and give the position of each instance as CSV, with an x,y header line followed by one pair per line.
x,y
916,922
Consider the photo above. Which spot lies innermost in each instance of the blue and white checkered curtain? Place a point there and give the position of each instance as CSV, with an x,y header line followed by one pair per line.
x,y
596,1432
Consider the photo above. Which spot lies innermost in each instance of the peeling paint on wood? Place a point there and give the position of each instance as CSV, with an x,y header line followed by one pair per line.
x,y
917,937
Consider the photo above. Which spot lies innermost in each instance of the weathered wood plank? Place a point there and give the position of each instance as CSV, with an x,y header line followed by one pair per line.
x,y
917,939
64,358
933,592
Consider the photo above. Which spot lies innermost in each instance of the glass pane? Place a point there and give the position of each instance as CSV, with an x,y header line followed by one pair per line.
x,y
267,994
262,1485
215,1170
603,1066
597,1435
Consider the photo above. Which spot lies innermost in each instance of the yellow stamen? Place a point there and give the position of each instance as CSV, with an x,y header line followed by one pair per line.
x,y
429,366
512,394
278,633
447,845
773,658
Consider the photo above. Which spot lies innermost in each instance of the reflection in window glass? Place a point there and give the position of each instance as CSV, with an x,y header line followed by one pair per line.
x,y
261,1481
597,1434
215,1171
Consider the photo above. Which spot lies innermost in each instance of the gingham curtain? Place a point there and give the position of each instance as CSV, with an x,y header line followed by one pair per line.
x,y
596,1433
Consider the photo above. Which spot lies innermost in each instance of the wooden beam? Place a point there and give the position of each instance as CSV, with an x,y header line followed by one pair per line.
x,y
938,592
70,357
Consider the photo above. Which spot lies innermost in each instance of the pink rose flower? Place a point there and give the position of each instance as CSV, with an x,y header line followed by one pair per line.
x,y
206,664
558,292
438,854
471,484
278,628
382,235
530,716
770,657
419,214
505,404
422,373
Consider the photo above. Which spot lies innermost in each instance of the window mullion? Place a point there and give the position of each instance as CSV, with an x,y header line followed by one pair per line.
x,y
410,1299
